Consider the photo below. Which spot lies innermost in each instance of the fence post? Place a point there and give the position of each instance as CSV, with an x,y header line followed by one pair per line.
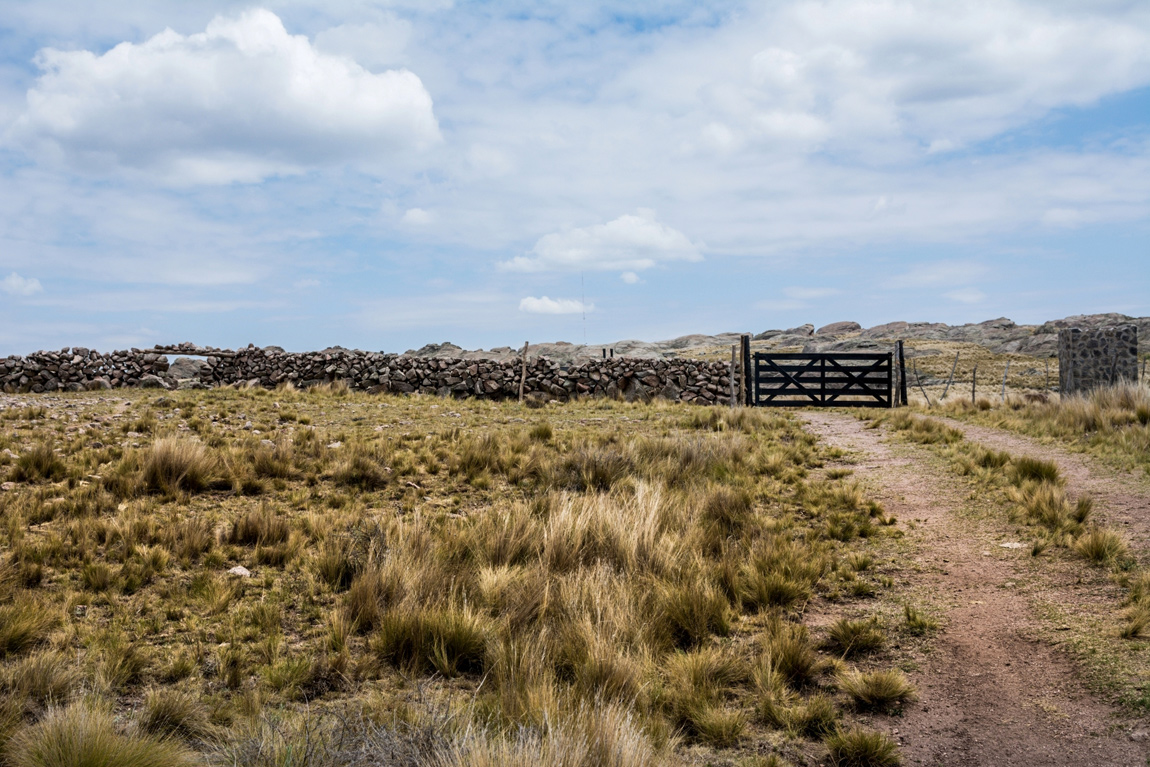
x,y
734,358
921,388
901,375
950,380
748,385
523,375
1004,375
973,383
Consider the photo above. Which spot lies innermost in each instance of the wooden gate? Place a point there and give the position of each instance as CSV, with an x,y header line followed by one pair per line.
x,y
848,379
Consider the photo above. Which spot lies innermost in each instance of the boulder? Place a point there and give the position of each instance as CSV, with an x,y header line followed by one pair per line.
x,y
186,367
152,382
838,329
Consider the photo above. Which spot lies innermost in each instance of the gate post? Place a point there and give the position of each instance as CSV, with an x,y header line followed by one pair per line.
x,y
748,378
901,375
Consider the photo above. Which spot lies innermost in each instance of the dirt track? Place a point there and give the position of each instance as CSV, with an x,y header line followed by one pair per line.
x,y
989,693
1121,500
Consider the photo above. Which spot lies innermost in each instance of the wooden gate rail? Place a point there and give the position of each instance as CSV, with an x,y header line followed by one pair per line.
x,y
847,379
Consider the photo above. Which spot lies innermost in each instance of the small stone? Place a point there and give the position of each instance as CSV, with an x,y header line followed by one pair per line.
x,y
241,571
334,445
267,443
1012,545
6,486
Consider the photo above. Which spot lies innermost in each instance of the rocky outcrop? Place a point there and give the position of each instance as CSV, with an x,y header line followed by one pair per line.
x,y
1001,336
838,329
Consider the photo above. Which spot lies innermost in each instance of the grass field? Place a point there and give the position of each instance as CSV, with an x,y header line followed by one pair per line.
x,y
1112,424
440,582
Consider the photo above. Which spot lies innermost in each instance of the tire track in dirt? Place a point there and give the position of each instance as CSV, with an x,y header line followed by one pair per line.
x,y
1121,499
989,694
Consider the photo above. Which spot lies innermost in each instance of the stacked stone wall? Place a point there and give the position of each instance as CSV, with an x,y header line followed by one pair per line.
x,y
1090,359
631,378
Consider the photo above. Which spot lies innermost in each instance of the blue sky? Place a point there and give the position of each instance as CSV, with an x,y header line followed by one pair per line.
x,y
387,174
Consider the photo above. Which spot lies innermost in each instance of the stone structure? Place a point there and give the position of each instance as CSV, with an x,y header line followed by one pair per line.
x,y
1089,359
630,378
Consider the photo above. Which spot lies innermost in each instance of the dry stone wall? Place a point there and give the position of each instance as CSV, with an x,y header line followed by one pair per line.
x,y
630,378
1089,359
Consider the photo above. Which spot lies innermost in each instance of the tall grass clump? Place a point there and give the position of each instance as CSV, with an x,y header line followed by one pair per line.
x,y
857,747
79,736
1028,469
39,463
173,464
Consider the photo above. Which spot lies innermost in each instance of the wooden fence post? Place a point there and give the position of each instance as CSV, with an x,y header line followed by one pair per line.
x,y
921,388
748,384
523,375
901,375
973,383
1004,375
950,380
734,369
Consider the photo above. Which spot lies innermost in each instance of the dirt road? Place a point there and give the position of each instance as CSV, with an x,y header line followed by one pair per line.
x,y
989,693
1121,499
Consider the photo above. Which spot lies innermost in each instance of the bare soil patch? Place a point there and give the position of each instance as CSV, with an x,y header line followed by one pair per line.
x,y
991,693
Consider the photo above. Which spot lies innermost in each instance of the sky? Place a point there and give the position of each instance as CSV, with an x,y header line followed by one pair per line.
x,y
383,175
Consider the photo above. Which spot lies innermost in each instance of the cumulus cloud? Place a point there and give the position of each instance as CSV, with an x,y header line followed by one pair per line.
x,y
966,295
806,294
632,242
933,76
547,305
939,273
238,102
15,285
630,278
417,217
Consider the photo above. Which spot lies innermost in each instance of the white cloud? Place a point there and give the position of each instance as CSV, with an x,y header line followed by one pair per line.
x,y
417,217
15,285
939,273
629,243
239,102
630,278
1063,217
804,294
547,305
780,305
374,45
966,295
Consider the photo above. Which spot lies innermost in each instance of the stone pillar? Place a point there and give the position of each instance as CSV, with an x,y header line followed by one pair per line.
x,y
1090,359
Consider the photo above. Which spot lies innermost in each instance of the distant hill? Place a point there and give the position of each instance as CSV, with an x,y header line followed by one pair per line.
x,y
1001,336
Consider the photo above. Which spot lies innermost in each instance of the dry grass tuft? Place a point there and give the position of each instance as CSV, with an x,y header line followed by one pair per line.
x,y
39,464
79,736
172,464
850,638
24,624
1027,469
857,747
1102,546
176,713
877,690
